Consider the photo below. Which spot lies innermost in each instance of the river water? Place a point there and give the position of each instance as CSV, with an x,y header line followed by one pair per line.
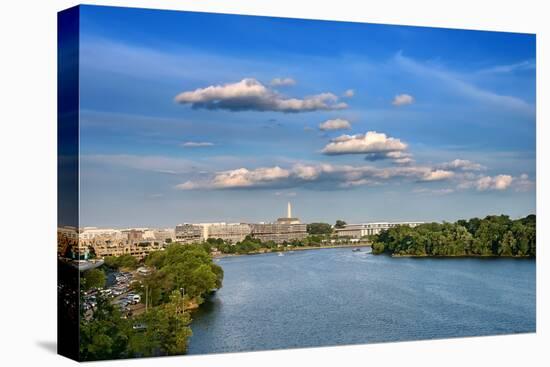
x,y
337,297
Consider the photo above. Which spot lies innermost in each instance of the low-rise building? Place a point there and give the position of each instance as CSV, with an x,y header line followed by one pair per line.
x,y
367,229
279,232
229,232
189,233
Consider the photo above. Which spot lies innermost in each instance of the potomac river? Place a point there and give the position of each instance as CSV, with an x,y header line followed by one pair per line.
x,y
337,297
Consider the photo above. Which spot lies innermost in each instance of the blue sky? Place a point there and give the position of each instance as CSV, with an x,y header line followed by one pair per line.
x,y
189,117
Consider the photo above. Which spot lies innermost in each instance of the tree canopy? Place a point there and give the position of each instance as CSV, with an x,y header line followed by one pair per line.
x,y
340,224
491,236
124,261
319,228
183,274
94,278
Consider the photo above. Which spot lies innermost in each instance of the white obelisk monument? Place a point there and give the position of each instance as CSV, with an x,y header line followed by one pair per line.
x,y
289,211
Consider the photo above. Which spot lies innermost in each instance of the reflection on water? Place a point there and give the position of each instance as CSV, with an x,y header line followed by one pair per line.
x,y
338,297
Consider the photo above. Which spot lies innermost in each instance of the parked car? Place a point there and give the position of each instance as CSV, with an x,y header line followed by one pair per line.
x,y
139,327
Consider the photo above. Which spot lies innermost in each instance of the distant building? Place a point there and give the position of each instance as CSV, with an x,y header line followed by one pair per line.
x,y
163,235
139,250
189,233
286,229
367,229
229,232
279,232
133,236
89,233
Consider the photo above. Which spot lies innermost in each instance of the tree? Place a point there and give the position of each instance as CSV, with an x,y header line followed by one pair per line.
x,y
490,236
507,245
124,261
94,278
340,224
166,330
319,228
105,334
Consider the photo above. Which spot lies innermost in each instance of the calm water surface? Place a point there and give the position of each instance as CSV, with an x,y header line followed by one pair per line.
x,y
337,297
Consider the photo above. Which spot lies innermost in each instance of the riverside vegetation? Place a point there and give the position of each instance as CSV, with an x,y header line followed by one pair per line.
x,y
164,329
490,236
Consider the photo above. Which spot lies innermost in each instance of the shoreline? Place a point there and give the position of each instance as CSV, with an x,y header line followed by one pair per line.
x,y
302,248
462,256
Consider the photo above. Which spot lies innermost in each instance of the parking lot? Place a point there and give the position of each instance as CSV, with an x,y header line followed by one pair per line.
x,y
119,290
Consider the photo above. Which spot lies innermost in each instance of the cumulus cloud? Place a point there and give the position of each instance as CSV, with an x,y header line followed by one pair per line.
x,y
462,165
282,82
339,176
196,144
402,100
239,178
437,175
401,158
500,182
374,145
336,124
249,94
349,93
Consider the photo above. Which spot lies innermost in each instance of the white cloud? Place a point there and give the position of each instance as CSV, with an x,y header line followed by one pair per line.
x,y
349,93
402,100
239,178
197,144
325,175
282,82
250,94
336,124
399,157
437,175
376,144
500,182
461,164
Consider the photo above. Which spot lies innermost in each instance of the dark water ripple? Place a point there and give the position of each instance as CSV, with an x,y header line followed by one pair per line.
x,y
338,297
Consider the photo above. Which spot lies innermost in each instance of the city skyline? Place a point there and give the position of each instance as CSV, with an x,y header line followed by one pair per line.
x,y
359,122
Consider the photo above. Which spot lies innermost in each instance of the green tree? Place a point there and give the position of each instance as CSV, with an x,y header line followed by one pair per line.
x,y
94,278
507,245
340,224
491,236
319,228
105,334
166,329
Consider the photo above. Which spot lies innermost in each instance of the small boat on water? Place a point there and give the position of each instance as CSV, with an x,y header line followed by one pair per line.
x,y
356,250
281,254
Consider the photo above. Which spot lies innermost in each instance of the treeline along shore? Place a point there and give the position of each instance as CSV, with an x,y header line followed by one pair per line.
x,y
492,236
177,280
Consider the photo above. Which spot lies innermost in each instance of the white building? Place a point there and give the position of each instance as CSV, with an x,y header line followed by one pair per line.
x,y
200,232
229,232
89,233
366,229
